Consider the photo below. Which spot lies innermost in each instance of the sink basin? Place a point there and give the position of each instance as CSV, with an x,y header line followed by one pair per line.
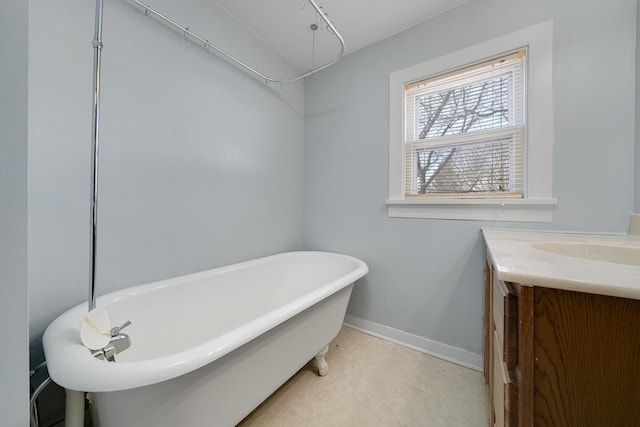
x,y
593,251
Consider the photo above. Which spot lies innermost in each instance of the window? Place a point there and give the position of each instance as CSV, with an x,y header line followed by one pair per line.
x,y
464,130
471,132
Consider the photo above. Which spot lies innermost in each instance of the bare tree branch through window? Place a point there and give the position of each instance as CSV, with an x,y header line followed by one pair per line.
x,y
476,106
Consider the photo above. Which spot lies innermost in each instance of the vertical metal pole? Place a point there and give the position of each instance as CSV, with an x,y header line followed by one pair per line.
x,y
97,46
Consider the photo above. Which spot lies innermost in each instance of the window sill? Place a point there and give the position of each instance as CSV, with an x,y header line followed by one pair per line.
x,y
520,210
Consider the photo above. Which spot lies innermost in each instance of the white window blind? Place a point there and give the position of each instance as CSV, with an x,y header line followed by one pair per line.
x,y
464,131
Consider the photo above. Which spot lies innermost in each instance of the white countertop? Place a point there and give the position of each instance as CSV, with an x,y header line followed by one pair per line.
x,y
516,261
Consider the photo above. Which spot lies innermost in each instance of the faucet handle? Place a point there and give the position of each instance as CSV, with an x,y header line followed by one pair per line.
x,y
116,329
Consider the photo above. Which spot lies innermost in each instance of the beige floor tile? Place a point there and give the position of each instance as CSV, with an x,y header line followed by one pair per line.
x,y
373,382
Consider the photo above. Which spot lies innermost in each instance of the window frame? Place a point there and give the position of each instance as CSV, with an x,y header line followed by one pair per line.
x,y
537,203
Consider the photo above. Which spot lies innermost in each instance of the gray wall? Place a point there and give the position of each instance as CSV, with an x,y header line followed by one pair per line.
x,y
636,180
426,275
200,164
14,396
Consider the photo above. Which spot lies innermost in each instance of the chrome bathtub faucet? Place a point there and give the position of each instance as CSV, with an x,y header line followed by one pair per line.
x,y
118,343
116,329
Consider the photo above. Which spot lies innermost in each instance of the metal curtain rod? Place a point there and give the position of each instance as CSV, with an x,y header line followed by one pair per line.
x,y
267,79
95,133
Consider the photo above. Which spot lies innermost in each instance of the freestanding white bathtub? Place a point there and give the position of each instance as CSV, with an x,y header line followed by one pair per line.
x,y
206,348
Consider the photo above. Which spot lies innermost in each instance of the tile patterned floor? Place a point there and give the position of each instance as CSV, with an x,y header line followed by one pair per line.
x,y
373,382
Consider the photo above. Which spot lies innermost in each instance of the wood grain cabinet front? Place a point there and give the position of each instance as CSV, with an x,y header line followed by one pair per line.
x,y
560,358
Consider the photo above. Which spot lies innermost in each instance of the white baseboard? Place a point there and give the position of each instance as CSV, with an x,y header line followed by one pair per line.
x,y
446,352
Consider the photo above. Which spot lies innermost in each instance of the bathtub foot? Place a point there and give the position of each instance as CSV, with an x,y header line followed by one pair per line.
x,y
74,410
323,368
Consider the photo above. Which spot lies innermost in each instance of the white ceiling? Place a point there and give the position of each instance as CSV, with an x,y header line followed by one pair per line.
x,y
284,24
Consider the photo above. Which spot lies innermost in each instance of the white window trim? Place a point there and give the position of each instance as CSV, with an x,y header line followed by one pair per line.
x,y
538,203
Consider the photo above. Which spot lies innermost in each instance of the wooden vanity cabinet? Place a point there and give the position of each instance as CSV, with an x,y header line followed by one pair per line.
x,y
554,357
501,350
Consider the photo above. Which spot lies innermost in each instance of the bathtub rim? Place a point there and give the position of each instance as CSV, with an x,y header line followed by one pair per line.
x,y
71,365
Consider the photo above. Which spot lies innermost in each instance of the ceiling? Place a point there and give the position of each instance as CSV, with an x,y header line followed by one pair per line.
x,y
285,24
